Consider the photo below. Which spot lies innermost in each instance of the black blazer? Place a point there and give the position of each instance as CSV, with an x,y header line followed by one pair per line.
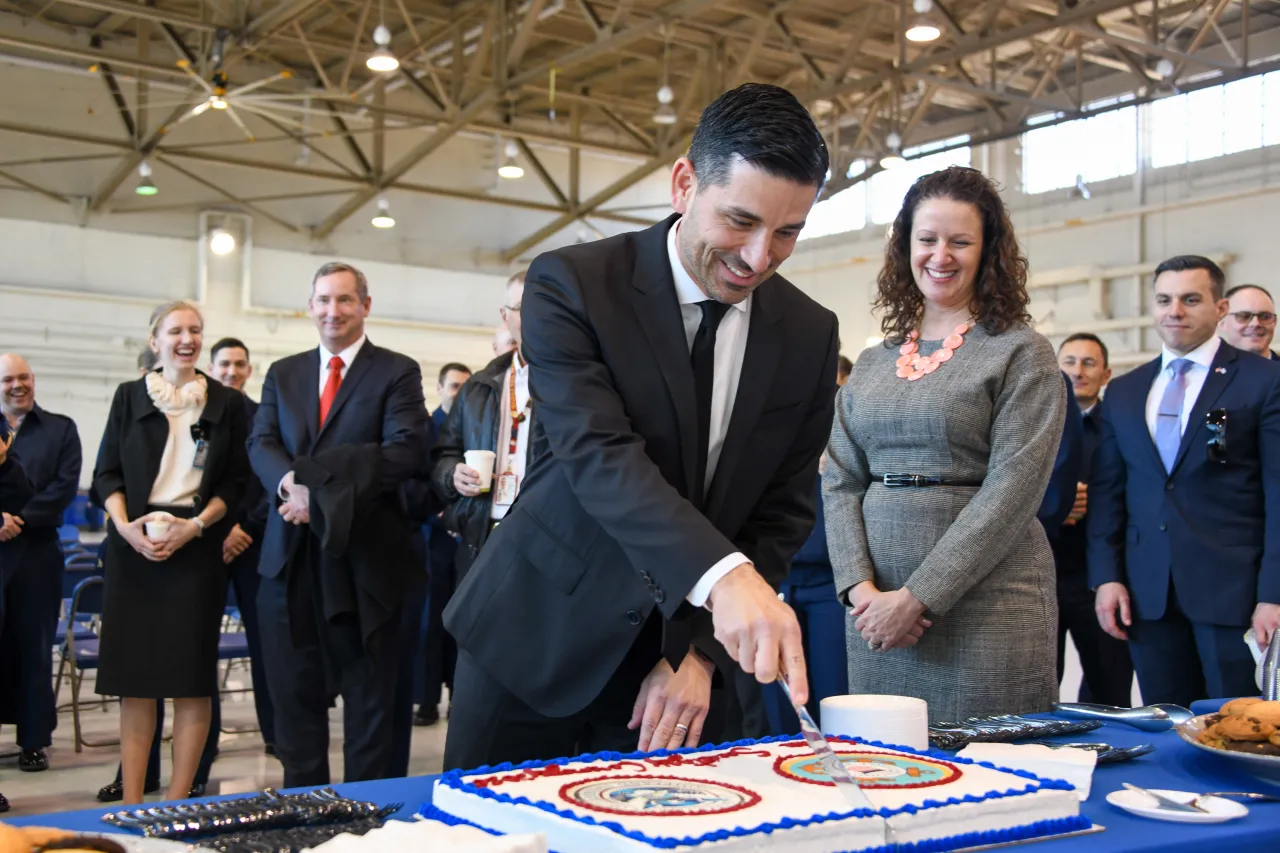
x,y
380,402
603,532
133,442
251,515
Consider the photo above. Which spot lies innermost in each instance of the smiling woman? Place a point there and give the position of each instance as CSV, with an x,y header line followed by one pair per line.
x,y
943,443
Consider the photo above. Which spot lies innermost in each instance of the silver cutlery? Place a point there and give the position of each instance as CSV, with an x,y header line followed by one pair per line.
x,y
1241,795
1166,803
1148,718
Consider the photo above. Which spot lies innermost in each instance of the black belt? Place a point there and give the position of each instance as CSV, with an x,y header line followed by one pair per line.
x,y
903,481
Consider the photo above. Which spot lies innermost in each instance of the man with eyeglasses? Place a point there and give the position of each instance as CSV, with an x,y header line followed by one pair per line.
x,y
1250,323
492,411
1184,499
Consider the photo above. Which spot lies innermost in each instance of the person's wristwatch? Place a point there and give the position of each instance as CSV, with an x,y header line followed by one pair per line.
x,y
199,524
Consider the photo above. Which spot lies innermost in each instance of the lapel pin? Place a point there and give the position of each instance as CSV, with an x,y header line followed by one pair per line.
x,y
1219,370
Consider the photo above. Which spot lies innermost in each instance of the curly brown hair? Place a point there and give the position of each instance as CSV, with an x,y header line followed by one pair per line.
x,y
1000,289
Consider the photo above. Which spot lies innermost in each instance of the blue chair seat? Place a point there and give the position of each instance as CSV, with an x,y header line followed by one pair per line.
x,y
86,653
81,634
232,645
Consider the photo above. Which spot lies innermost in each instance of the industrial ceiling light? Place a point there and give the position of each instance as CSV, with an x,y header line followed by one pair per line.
x,y
383,218
923,29
510,169
665,114
145,186
1165,68
893,158
382,60
221,242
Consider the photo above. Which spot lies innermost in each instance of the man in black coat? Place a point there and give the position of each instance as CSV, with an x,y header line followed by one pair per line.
x,y
47,446
331,615
684,393
482,417
15,491
229,364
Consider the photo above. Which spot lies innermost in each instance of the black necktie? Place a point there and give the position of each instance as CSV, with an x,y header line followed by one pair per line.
x,y
704,364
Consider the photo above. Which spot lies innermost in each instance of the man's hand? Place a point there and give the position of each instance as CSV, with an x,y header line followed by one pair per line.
x,y
759,631
1080,507
236,543
672,706
889,620
1266,621
297,508
11,527
1110,598
466,480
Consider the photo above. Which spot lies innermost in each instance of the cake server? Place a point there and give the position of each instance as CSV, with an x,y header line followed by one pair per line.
x,y
1148,718
831,764
1164,802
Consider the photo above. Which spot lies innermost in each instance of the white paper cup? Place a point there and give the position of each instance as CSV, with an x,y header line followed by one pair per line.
x,y
894,720
158,525
482,461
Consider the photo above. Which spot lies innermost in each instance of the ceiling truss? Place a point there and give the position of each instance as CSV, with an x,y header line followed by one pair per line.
x,y
504,68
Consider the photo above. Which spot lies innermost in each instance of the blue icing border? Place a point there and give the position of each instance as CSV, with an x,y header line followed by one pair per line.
x,y
453,779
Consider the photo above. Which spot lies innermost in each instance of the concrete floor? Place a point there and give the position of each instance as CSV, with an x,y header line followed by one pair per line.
x,y
73,779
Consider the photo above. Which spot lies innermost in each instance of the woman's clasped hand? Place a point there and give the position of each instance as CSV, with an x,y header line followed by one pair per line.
x,y
177,533
887,620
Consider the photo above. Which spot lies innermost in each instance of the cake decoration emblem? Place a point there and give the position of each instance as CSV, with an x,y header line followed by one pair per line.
x,y
657,796
872,770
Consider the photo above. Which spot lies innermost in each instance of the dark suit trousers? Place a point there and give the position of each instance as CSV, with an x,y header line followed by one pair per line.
x,y
243,577
1108,669
31,576
298,673
440,652
1181,661
410,665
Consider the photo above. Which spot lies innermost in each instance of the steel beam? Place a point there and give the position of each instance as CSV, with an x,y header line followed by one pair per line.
x,y
542,173
590,205
189,175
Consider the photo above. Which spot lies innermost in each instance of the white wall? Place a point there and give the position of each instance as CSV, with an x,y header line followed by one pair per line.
x,y
75,303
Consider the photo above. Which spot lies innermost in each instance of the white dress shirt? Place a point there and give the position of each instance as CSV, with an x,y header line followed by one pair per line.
x,y
1201,359
517,463
348,355
731,349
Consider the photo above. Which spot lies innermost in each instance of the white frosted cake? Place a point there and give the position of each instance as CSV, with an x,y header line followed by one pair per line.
x,y
753,795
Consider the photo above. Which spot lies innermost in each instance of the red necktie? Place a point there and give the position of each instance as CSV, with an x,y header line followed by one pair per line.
x,y
331,387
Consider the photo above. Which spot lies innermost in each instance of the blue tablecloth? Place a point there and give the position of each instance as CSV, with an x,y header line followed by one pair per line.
x,y
1174,765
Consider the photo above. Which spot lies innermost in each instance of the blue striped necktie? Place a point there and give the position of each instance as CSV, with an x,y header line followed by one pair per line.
x,y
1169,415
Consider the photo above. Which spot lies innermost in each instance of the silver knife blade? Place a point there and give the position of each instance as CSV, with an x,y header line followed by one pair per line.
x,y
1165,802
831,763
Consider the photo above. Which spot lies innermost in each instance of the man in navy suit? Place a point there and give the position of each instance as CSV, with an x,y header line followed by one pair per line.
x,y
439,651
1184,499
1108,671
339,429
229,364
47,447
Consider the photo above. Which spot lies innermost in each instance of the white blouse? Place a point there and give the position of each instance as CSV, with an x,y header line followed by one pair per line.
x,y
177,481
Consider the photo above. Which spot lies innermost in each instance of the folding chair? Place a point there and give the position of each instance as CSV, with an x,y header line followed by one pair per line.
x,y
82,654
85,626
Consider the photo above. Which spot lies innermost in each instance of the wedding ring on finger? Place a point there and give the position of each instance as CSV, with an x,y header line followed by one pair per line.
x,y
873,645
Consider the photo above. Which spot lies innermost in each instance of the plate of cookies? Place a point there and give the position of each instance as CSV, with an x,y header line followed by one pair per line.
x,y
1245,730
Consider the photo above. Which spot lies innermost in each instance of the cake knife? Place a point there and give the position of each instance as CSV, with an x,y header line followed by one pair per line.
x,y
831,764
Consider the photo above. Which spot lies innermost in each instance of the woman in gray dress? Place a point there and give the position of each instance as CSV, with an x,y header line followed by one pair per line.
x,y
942,447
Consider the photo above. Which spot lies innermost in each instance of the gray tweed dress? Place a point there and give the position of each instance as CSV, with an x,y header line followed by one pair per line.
x,y
977,557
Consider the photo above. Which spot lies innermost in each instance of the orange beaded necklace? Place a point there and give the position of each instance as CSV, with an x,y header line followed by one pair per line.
x,y
912,365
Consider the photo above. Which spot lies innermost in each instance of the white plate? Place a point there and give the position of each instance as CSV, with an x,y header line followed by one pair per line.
x,y
1218,810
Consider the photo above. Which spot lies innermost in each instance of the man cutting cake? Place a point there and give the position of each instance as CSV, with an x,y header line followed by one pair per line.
x,y
684,394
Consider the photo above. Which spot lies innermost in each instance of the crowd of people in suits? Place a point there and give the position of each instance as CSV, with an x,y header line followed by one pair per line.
x,y
610,508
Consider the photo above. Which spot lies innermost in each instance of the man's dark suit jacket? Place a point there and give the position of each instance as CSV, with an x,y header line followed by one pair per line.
x,y
1060,495
133,444
379,406
251,515
1070,546
1213,529
602,532
48,449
